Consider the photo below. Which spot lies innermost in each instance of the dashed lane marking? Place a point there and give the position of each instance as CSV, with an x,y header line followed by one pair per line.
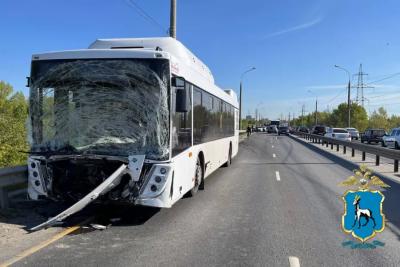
x,y
273,155
278,176
294,261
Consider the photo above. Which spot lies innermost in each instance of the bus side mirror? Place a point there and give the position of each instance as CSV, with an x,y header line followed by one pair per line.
x,y
181,103
178,82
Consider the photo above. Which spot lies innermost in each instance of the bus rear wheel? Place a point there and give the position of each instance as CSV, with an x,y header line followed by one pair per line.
x,y
229,161
198,178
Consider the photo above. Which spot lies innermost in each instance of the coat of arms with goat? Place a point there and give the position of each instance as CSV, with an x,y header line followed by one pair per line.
x,y
363,216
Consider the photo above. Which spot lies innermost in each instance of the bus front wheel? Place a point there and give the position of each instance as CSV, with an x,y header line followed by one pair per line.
x,y
198,178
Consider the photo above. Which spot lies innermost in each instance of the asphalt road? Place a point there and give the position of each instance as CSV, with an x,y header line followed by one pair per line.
x,y
246,216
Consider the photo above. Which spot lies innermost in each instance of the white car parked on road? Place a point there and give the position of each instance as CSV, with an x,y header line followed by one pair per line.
x,y
338,133
392,140
354,133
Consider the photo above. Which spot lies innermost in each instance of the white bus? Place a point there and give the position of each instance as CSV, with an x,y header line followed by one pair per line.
x,y
129,120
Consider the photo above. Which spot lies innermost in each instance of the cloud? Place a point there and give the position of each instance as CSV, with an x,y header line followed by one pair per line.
x,y
295,28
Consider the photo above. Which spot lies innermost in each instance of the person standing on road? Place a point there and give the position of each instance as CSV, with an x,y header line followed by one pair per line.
x,y
248,131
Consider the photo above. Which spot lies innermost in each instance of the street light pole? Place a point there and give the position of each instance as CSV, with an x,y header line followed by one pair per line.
x,y
316,107
240,96
348,96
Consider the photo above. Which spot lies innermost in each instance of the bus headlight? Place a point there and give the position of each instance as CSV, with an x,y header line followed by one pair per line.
x,y
163,170
156,181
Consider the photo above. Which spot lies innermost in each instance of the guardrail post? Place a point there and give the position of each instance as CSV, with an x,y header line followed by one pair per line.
x,y
353,152
377,159
337,147
363,156
4,198
396,165
331,145
344,149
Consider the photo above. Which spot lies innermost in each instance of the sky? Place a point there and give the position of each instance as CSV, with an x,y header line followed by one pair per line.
x,y
293,44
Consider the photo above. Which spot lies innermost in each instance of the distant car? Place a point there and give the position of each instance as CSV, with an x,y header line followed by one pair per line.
x,y
392,139
338,133
319,130
303,129
373,136
283,130
354,133
272,129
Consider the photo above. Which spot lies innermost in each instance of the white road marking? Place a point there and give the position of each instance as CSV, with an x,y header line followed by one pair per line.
x,y
278,176
273,155
294,261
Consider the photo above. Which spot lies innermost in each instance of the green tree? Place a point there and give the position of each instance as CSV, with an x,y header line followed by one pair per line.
x,y
13,115
358,117
394,122
379,119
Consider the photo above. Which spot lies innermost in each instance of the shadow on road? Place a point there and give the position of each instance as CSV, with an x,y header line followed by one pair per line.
x,y
28,214
124,215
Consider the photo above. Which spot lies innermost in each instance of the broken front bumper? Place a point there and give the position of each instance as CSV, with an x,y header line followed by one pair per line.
x,y
152,187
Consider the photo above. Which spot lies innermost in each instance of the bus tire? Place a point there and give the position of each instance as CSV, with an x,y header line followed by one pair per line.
x,y
229,161
199,179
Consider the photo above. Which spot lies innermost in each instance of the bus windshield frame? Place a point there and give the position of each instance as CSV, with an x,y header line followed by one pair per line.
x,y
106,106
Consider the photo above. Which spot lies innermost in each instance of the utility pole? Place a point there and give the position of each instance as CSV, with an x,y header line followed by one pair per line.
x,y
348,96
302,114
240,96
316,106
348,105
240,106
316,111
172,28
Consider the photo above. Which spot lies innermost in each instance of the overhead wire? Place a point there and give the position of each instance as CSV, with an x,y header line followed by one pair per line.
x,y
386,78
339,94
145,15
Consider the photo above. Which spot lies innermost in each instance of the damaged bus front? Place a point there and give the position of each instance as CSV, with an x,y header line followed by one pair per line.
x,y
99,127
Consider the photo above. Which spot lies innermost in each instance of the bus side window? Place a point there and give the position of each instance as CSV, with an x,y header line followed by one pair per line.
x,y
198,116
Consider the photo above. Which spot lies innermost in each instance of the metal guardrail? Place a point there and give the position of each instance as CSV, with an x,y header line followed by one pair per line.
x,y
11,177
365,149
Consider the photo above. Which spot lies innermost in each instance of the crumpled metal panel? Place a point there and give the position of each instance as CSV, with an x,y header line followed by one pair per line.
x,y
114,106
112,181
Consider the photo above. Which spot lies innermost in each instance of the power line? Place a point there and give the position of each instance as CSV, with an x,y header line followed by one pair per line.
x,y
145,15
339,94
386,78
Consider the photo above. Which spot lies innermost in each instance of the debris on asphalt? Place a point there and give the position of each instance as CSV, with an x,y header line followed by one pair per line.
x,y
98,226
